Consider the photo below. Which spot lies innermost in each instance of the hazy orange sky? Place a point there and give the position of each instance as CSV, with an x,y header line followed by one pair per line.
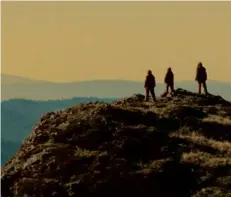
x,y
74,41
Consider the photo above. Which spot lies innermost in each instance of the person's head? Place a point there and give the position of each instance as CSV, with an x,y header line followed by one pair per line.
x,y
169,69
199,65
149,72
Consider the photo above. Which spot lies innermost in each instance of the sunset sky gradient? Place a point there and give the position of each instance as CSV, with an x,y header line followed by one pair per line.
x,y
75,41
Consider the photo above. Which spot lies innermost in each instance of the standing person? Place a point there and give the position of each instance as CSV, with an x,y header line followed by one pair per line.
x,y
149,85
169,81
201,78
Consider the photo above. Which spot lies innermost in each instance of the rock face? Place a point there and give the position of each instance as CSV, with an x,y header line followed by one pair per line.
x,y
178,147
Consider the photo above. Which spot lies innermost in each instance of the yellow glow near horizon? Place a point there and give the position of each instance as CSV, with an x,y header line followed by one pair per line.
x,y
73,41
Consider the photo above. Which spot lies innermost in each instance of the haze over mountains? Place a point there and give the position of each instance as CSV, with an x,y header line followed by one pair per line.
x,y
19,87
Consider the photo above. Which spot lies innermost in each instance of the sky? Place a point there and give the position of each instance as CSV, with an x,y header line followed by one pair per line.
x,y
76,41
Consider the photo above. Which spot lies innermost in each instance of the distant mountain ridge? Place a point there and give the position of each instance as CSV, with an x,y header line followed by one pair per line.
x,y
18,87
11,79
18,117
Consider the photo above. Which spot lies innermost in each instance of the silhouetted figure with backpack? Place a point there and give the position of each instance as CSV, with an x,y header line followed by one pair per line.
x,y
201,78
169,81
149,85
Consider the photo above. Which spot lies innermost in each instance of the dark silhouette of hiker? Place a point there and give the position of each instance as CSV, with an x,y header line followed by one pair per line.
x,y
169,81
201,78
149,85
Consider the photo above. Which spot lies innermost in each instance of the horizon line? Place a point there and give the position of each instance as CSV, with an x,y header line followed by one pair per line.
x,y
97,80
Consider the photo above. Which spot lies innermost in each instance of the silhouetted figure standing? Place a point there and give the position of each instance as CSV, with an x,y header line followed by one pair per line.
x,y
201,77
149,85
169,81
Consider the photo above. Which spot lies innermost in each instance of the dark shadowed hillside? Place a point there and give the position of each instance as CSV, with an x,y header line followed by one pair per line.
x,y
178,147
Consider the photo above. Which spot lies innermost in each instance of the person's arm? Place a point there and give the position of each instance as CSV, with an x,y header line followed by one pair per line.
x,y
165,78
196,78
154,81
205,74
145,82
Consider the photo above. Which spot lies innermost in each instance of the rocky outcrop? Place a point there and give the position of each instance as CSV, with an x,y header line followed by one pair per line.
x,y
179,146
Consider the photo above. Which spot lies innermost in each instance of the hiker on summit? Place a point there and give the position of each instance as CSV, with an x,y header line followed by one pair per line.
x,y
169,81
201,77
149,85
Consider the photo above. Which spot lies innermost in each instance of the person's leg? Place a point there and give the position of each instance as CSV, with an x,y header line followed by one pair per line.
x,y
199,87
165,92
205,87
172,88
167,88
147,93
153,94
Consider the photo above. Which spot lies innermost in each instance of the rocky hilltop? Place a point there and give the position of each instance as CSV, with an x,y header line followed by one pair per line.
x,y
177,147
